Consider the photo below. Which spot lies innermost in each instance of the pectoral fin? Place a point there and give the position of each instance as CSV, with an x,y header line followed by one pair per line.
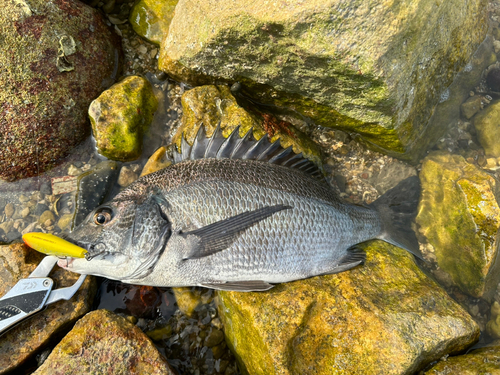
x,y
240,286
220,235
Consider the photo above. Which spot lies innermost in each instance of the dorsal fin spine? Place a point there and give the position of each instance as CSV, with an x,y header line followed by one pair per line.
x,y
246,147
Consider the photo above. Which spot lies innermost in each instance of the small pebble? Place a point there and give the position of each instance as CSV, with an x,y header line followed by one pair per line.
x,y
25,212
9,210
127,176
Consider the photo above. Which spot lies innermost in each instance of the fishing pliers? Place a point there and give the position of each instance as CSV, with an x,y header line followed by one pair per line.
x,y
32,294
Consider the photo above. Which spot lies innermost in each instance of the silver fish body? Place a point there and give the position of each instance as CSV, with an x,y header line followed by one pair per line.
x,y
234,224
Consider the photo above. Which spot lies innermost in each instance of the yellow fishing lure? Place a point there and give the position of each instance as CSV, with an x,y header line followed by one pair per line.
x,y
52,245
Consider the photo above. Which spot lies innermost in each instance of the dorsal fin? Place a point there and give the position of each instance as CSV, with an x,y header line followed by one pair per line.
x,y
246,147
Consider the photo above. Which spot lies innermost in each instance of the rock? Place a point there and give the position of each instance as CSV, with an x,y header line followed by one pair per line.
x,y
213,104
328,61
156,162
24,340
480,361
471,106
93,187
9,210
47,215
62,55
104,343
390,175
188,299
493,325
120,116
151,19
128,174
64,223
459,217
385,317
7,226
487,124
40,208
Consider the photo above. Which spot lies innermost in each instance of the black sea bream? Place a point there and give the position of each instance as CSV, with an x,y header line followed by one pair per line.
x,y
236,214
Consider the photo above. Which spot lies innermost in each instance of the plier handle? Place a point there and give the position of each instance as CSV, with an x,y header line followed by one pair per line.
x,y
32,294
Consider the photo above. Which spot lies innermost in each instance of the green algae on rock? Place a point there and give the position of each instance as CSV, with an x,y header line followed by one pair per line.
x,y
151,18
30,336
43,102
487,124
385,317
327,60
460,217
213,104
104,343
481,361
120,116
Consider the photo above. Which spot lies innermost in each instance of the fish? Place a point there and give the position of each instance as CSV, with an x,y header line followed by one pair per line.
x,y
236,214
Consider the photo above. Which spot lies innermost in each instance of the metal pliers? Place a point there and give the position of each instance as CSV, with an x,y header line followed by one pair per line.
x,y
32,294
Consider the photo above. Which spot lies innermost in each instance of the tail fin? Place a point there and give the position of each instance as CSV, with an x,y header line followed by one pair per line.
x,y
398,208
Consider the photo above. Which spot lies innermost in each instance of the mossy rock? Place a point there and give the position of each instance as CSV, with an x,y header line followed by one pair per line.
x,y
460,217
385,317
481,361
210,105
328,61
120,116
487,124
58,56
151,18
104,343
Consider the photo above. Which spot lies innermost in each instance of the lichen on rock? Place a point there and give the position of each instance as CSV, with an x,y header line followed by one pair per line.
x,y
104,343
459,217
385,317
120,116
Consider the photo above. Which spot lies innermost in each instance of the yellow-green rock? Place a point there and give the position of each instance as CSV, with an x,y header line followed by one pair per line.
x,y
493,325
459,216
213,104
487,124
156,162
188,299
120,116
151,18
104,343
483,361
385,317
30,336
371,67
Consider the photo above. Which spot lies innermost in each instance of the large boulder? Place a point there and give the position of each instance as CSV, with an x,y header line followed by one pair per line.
x,y
385,317
57,56
459,218
374,68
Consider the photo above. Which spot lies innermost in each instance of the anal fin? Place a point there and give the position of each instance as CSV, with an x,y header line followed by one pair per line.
x,y
354,257
239,286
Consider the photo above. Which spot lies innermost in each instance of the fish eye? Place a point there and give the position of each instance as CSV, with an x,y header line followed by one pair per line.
x,y
102,216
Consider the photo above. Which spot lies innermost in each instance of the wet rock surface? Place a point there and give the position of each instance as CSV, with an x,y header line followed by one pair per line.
x,y
28,338
385,317
120,116
308,56
477,362
487,124
65,56
459,218
151,19
102,342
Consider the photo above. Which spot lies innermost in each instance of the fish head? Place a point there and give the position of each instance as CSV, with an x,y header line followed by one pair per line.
x,y
124,238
